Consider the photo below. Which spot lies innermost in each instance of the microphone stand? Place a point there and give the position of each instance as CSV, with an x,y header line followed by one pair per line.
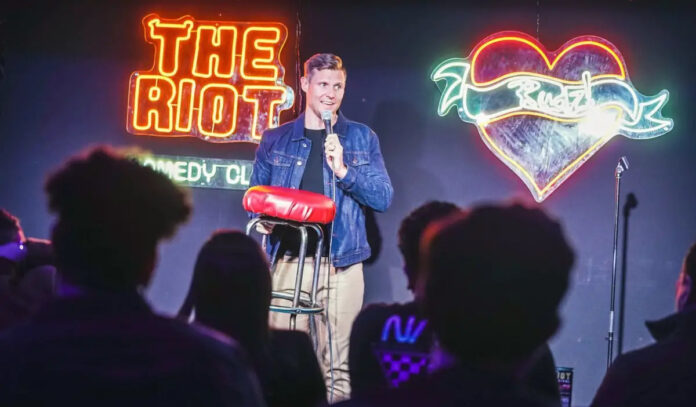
x,y
631,203
620,168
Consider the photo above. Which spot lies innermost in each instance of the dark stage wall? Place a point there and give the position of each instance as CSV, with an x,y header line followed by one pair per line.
x,y
65,88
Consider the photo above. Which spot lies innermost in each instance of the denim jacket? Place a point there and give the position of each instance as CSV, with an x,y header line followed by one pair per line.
x,y
280,161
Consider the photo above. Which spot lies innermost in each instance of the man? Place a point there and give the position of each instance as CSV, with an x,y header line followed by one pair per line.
x,y
99,343
661,374
493,280
390,343
299,155
27,274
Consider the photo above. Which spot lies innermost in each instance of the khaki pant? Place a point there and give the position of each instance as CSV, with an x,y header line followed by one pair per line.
x,y
345,297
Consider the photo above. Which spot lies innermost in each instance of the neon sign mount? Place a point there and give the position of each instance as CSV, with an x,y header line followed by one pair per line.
x,y
544,114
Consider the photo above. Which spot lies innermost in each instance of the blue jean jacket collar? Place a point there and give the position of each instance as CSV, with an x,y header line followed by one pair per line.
x,y
339,128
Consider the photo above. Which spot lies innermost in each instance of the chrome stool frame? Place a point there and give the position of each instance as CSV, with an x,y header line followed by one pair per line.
x,y
301,303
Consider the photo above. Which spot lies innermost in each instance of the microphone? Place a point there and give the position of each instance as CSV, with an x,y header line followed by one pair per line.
x,y
326,117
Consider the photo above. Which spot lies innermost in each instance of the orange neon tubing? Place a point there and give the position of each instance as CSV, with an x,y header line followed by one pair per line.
x,y
214,60
218,111
257,62
151,113
255,102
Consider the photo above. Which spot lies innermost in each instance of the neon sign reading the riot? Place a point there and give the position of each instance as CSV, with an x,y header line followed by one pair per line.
x,y
544,114
219,81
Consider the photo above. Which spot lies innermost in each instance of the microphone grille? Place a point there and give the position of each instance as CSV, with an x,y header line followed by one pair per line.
x,y
326,115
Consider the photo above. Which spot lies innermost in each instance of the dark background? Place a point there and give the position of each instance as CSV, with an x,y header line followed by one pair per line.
x,y
65,87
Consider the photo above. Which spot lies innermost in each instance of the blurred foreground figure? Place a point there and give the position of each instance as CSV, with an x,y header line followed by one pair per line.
x,y
99,343
231,292
390,344
27,273
493,280
661,374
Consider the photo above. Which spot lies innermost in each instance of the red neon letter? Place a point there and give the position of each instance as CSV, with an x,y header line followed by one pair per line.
x,y
264,100
215,47
217,110
167,38
152,108
259,53
184,105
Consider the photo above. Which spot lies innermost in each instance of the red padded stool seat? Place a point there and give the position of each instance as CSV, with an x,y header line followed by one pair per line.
x,y
303,211
289,204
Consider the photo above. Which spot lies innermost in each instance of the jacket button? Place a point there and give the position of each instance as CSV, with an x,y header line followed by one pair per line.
x,y
299,162
304,145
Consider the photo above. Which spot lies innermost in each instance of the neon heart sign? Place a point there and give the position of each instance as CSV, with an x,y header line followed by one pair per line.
x,y
544,114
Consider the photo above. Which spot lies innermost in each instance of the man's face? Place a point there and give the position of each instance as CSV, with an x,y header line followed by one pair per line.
x,y
324,90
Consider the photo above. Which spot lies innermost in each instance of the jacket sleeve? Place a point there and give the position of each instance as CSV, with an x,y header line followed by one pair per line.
x,y
369,184
261,172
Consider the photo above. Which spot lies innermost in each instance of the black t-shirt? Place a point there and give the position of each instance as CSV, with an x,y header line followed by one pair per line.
x,y
313,177
312,180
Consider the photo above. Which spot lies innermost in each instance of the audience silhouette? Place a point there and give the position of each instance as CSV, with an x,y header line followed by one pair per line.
x,y
487,284
99,343
661,374
231,291
390,343
27,273
493,280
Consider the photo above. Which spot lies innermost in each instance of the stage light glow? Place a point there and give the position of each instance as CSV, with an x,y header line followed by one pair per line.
x,y
545,113
201,85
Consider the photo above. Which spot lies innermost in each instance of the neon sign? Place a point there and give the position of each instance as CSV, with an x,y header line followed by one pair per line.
x,y
200,172
544,114
408,335
216,80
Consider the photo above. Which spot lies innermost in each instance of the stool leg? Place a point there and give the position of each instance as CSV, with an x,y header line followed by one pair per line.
x,y
298,278
315,282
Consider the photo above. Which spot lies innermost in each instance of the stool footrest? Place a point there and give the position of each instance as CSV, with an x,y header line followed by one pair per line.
x,y
299,310
304,298
304,307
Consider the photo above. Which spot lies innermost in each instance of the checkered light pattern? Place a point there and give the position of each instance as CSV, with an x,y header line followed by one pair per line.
x,y
399,366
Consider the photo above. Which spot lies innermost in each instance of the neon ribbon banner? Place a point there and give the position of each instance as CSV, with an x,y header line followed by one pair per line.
x,y
219,81
544,114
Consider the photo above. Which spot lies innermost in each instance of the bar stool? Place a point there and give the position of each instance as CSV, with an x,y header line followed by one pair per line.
x,y
303,211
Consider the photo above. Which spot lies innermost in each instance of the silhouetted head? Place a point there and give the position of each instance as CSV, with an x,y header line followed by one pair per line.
x,y
231,287
685,292
10,230
411,232
111,213
11,238
494,280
